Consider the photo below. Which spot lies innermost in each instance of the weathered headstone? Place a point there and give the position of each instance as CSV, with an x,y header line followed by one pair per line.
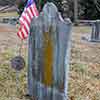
x,y
95,35
9,20
49,51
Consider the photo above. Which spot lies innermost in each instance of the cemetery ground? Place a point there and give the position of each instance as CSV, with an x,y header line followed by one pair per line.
x,y
84,75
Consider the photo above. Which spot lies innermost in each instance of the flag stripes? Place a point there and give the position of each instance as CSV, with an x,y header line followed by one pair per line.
x,y
29,12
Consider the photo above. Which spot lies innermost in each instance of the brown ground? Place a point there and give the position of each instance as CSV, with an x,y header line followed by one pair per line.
x,y
8,36
84,81
85,67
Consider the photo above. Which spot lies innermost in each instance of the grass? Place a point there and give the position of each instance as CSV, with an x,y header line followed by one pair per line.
x,y
84,76
7,14
82,84
8,86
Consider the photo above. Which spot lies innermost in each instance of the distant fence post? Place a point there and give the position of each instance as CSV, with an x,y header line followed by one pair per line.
x,y
49,52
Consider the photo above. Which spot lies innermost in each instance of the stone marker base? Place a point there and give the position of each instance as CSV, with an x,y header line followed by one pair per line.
x,y
88,39
9,20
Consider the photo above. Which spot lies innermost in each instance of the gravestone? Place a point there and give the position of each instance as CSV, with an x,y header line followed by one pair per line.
x,y
49,52
9,20
95,35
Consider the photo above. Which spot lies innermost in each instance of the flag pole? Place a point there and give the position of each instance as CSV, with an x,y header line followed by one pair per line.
x,y
17,72
17,82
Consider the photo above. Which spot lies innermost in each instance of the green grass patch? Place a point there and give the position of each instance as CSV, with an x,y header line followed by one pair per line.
x,y
9,14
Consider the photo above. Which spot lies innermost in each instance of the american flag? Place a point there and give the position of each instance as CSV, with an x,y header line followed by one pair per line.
x,y
29,12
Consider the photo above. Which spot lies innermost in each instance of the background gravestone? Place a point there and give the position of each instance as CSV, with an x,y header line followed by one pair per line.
x,y
95,35
49,51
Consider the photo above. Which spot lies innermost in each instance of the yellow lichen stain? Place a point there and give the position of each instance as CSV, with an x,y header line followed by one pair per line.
x,y
48,60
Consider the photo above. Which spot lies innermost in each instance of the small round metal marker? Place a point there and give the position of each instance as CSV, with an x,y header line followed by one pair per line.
x,y
18,64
